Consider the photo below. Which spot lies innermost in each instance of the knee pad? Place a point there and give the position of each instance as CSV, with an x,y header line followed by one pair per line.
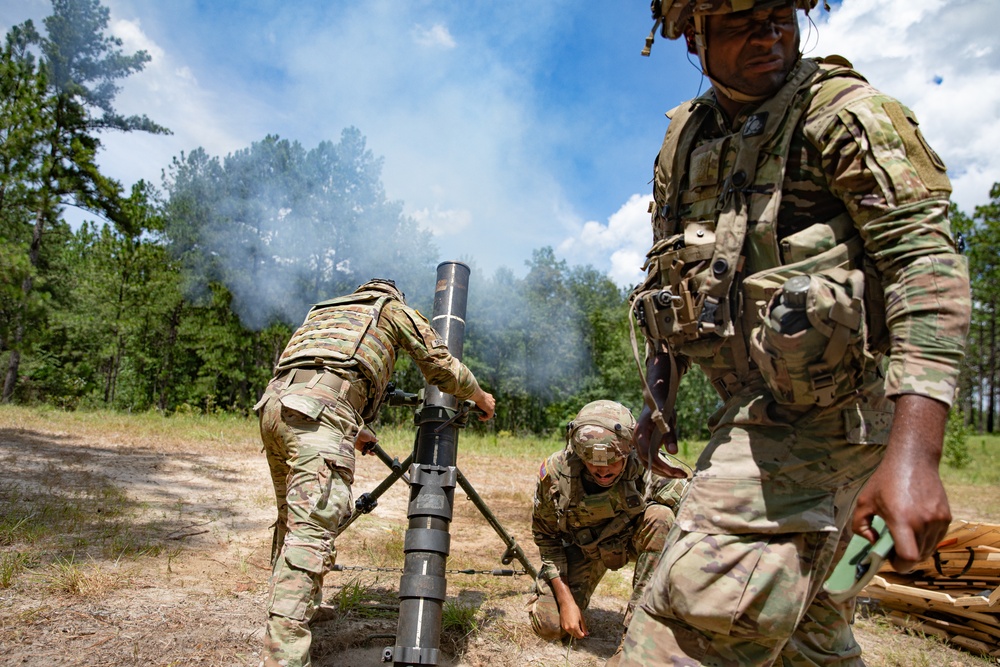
x,y
544,615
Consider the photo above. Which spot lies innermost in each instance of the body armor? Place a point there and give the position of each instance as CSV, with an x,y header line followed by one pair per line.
x,y
599,523
344,333
718,265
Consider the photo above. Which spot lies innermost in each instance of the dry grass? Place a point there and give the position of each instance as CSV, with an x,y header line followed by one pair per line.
x,y
144,540
83,579
188,433
617,584
886,645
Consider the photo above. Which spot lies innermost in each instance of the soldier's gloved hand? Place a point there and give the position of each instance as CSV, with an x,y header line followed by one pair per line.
x,y
649,439
485,402
364,436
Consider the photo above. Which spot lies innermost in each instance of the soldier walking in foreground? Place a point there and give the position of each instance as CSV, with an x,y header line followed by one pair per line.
x,y
330,380
596,509
802,256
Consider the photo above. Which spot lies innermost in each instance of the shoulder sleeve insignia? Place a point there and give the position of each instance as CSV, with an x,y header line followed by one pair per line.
x,y
542,472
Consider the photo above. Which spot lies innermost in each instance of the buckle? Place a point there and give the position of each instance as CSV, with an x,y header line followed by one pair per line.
x,y
823,385
720,387
726,383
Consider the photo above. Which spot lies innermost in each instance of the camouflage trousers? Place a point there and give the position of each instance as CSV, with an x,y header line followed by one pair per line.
x,y
584,574
311,462
764,520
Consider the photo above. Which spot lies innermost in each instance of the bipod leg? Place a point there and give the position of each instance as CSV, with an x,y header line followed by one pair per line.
x,y
513,549
366,502
392,464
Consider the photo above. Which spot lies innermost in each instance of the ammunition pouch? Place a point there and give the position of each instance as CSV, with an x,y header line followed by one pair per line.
x,y
825,360
609,543
588,541
613,551
669,306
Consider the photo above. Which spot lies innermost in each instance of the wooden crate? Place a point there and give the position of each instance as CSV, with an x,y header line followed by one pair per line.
x,y
955,595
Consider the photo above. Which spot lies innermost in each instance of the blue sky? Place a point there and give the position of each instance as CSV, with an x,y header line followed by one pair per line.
x,y
506,127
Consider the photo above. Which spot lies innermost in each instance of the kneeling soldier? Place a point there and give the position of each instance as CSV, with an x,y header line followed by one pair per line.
x,y
596,509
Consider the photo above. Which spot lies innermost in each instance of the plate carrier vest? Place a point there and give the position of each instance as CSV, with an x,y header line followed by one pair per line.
x,y
343,333
707,288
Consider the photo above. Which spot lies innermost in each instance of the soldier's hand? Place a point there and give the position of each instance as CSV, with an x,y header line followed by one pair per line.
x,y
364,436
649,439
570,616
906,488
486,403
572,621
660,373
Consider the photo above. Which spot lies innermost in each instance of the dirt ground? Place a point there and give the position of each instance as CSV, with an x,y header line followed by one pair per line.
x,y
196,594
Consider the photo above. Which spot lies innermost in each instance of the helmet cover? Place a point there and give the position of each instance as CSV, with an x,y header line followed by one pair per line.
x,y
382,285
601,433
675,14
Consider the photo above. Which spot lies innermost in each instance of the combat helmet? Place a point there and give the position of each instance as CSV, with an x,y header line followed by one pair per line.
x,y
673,16
382,285
601,433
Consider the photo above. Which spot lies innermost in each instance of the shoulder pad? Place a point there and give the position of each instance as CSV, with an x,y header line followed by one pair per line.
x,y
837,66
670,114
354,297
834,59
560,464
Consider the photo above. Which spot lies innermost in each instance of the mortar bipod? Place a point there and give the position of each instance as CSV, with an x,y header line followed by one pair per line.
x,y
368,501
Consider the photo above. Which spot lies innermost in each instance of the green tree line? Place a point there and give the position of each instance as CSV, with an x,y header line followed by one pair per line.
x,y
181,296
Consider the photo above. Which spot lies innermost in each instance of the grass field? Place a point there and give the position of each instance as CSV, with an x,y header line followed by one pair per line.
x,y
144,540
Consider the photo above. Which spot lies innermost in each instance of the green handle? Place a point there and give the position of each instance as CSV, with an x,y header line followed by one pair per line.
x,y
860,563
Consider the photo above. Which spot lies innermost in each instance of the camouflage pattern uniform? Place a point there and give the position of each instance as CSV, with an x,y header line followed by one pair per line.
x,y
862,204
583,529
330,380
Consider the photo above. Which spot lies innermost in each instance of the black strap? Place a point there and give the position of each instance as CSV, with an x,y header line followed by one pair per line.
x,y
968,565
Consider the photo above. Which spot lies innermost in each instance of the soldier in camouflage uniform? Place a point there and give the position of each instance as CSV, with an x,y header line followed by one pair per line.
x,y
329,381
803,258
596,509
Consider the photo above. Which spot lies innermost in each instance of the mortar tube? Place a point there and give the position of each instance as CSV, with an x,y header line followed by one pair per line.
x,y
433,477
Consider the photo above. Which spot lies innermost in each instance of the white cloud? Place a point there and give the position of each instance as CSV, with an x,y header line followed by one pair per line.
x,y
435,36
168,91
134,39
622,242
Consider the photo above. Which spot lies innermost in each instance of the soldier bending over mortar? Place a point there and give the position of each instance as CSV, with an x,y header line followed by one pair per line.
x,y
329,381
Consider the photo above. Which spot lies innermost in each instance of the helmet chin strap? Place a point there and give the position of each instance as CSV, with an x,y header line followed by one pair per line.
x,y
731,93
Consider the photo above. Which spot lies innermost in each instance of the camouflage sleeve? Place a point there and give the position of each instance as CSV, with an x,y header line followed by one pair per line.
x,y
429,351
664,491
545,529
896,189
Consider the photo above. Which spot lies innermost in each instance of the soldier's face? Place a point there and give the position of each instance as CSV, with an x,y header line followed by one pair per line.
x,y
752,51
605,475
